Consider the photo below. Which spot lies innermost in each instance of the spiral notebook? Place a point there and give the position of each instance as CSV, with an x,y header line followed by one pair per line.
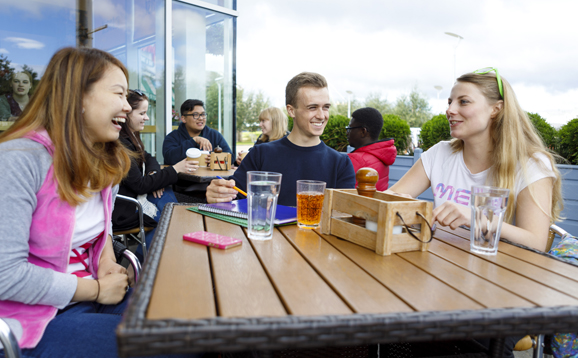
x,y
238,209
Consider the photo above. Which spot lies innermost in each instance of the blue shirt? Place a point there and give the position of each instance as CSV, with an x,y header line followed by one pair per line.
x,y
178,141
295,163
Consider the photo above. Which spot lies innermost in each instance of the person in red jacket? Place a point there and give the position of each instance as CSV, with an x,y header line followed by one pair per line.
x,y
362,134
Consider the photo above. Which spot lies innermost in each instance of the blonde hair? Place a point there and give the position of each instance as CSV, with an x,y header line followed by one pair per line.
x,y
514,142
57,106
278,123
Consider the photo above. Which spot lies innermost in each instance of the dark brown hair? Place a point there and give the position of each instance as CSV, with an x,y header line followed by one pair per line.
x,y
134,98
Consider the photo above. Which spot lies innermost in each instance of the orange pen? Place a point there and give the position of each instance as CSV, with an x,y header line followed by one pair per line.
x,y
237,189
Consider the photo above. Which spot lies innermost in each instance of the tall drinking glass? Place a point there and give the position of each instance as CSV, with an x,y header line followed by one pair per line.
x,y
310,194
263,191
488,207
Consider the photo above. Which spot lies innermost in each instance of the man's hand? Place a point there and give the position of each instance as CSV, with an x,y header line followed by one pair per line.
x,y
221,190
203,143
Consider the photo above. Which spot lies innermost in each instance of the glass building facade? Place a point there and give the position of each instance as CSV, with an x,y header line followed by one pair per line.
x,y
173,50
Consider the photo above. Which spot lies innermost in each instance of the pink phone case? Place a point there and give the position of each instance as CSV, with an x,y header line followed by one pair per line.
x,y
213,240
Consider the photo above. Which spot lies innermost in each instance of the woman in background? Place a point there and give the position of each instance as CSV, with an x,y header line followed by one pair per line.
x,y
146,181
273,123
12,104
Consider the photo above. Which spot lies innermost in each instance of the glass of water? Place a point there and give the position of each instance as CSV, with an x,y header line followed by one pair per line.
x,y
488,205
263,191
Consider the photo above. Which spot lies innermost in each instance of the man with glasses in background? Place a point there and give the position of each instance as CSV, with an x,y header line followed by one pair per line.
x,y
193,132
363,135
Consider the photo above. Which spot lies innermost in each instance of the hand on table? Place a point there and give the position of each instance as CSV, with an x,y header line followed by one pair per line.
x,y
203,143
221,190
452,215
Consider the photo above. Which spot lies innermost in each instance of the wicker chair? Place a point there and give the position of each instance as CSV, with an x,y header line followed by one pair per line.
x,y
537,342
7,338
137,233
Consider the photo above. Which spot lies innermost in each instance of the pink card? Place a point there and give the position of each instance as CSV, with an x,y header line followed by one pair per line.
x,y
213,240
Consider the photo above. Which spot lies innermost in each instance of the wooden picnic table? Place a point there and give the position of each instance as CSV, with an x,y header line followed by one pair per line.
x,y
304,289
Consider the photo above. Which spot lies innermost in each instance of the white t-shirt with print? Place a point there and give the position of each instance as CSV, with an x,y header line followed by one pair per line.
x,y
451,180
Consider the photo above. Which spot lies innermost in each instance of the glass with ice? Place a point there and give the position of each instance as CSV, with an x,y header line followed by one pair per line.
x,y
488,208
263,190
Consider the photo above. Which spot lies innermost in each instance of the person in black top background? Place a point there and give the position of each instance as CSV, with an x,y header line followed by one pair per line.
x,y
146,181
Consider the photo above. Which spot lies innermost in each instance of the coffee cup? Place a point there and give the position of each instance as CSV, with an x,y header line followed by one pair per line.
x,y
193,154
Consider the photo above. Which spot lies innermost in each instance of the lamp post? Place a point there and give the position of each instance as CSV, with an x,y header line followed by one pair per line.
x,y
439,89
219,99
349,93
455,48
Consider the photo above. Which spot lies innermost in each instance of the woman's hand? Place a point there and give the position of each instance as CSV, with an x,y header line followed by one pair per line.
x,y
203,143
113,287
452,215
107,266
158,193
186,166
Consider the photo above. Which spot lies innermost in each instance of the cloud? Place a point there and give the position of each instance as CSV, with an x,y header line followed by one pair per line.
x,y
390,47
4,51
24,43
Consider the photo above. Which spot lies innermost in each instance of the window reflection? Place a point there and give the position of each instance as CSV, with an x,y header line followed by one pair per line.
x,y
202,45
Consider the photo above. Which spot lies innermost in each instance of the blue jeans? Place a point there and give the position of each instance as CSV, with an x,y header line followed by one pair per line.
x,y
167,197
86,329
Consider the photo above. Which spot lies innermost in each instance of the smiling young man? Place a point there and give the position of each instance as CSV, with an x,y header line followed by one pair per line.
x,y
300,155
193,132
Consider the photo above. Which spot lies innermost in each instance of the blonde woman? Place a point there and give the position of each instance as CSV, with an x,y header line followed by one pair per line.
x,y
273,123
494,144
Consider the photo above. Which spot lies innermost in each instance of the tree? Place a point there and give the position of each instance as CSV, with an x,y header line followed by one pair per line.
x,y
5,74
569,141
547,132
340,108
413,108
335,134
434,131
374,100
398,129
34,75
249,106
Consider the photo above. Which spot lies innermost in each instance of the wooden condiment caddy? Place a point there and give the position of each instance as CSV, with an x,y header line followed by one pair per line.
x,y
220,160
343,209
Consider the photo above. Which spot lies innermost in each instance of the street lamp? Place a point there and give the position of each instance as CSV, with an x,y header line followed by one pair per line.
x,y
349,93
439,89
219,97
455,48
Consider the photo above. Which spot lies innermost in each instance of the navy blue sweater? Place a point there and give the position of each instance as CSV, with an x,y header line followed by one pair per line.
x,y
178,141
295,163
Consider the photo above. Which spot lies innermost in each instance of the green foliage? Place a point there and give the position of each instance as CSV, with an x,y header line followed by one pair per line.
x,y
335,134
546,131
413,108
249,106
398,129
340,108
434,131
569,141
374,100
290,123
5,74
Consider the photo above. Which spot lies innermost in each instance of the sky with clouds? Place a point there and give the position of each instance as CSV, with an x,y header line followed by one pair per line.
x,y
390,47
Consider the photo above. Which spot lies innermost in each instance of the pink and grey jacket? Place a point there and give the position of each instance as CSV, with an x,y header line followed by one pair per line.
x,y
35,238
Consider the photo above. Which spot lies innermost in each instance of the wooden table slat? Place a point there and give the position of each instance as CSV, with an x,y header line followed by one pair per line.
x,y
361,292
189,293
238,275
302,290
558,267
425,293
482,291
448,247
